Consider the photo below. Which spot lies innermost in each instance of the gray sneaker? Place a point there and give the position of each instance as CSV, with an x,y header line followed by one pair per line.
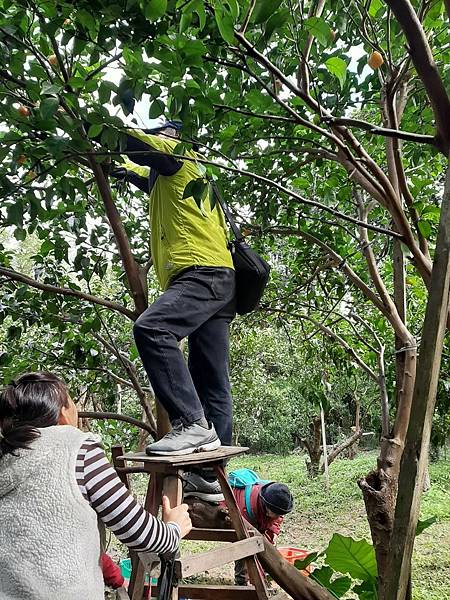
x,y
195,485
185,439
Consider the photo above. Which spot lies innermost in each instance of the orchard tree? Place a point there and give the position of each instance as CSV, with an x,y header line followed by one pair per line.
x,y
328,125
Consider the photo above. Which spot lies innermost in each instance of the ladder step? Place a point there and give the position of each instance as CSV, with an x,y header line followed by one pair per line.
x,y
198,563
218,592
212,535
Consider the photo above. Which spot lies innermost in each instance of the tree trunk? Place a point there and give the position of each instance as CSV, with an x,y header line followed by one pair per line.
x,y
348,443
415,456
379,487
312,446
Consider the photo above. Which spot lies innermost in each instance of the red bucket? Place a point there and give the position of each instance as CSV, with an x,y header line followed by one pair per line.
x,y
293,554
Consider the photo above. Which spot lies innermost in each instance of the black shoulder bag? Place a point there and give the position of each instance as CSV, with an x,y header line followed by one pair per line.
x,y
252,271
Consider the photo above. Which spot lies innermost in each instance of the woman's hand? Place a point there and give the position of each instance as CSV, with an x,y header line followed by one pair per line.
x,y
178,514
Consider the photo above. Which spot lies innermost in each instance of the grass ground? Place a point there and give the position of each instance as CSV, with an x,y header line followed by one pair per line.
x,y
319,513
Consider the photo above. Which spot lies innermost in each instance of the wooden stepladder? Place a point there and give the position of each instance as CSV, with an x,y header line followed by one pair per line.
x,y
165,479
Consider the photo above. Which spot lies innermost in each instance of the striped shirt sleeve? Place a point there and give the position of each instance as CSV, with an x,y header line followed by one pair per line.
x,y
119,511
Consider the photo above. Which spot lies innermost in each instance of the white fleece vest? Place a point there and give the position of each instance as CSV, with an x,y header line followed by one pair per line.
x,y
49,539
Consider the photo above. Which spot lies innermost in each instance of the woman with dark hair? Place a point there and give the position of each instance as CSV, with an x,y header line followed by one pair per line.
x,y
56,488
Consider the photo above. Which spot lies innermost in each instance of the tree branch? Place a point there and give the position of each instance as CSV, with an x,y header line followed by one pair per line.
x,y
103,66
130,265
45,287
426,68
447,7
131,371
256,115
341,262
343,446
390,307
271,183
383,131
330,333
85,414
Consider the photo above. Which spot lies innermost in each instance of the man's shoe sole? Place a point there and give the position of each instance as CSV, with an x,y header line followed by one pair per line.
x,y
203,448
205,496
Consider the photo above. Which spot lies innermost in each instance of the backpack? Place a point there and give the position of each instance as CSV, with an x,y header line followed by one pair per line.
x,y
246,479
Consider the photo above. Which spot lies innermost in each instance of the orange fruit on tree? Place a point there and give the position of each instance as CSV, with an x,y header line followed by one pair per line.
x,y
375,60
53,60
23,111
67,22
21,159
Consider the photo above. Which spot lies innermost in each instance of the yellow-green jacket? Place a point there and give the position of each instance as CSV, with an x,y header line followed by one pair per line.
x,y
182,235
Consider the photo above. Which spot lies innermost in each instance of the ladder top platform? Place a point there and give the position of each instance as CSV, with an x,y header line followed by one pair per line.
x,y
203,458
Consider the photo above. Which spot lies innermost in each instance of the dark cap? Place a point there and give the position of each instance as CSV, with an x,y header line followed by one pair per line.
x,y
277,498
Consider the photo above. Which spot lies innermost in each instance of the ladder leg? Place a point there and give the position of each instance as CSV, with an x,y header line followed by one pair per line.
x,y
172,488
116,451
256,578
152,504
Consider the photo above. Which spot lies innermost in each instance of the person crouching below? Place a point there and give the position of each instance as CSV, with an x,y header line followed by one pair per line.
x,y
268,505
56,486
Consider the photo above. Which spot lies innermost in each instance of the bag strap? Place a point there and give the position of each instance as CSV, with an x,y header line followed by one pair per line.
x,y
226,211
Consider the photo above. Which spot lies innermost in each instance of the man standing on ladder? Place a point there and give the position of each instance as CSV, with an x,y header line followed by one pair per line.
x,y
195,270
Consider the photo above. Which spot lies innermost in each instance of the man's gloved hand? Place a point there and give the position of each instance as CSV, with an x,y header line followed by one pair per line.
x,y
118,172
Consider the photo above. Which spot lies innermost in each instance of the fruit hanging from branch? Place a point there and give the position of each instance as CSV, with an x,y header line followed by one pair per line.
x,y
375,60
23,111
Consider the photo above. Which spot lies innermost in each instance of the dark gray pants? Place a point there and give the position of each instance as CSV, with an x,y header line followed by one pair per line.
x,y
240,572
199,304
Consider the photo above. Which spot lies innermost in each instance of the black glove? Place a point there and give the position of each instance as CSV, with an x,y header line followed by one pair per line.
x,y
118,173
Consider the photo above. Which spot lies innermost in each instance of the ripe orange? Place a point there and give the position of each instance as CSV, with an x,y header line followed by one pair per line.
x,y
375,60
53,60
23,111
67,22
21,159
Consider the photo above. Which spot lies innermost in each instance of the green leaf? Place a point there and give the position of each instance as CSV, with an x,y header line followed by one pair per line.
x,y
95,130
302,564
276,21
264,9
48,107
201,13
338,586
46,247
76,82
185,21
337,67
422,525
225,25
86,20
374,7
320,29
50,88
15,214
154,9
197,189
366,591
110,138
20,234
14,332
424,228
157,109
357,558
